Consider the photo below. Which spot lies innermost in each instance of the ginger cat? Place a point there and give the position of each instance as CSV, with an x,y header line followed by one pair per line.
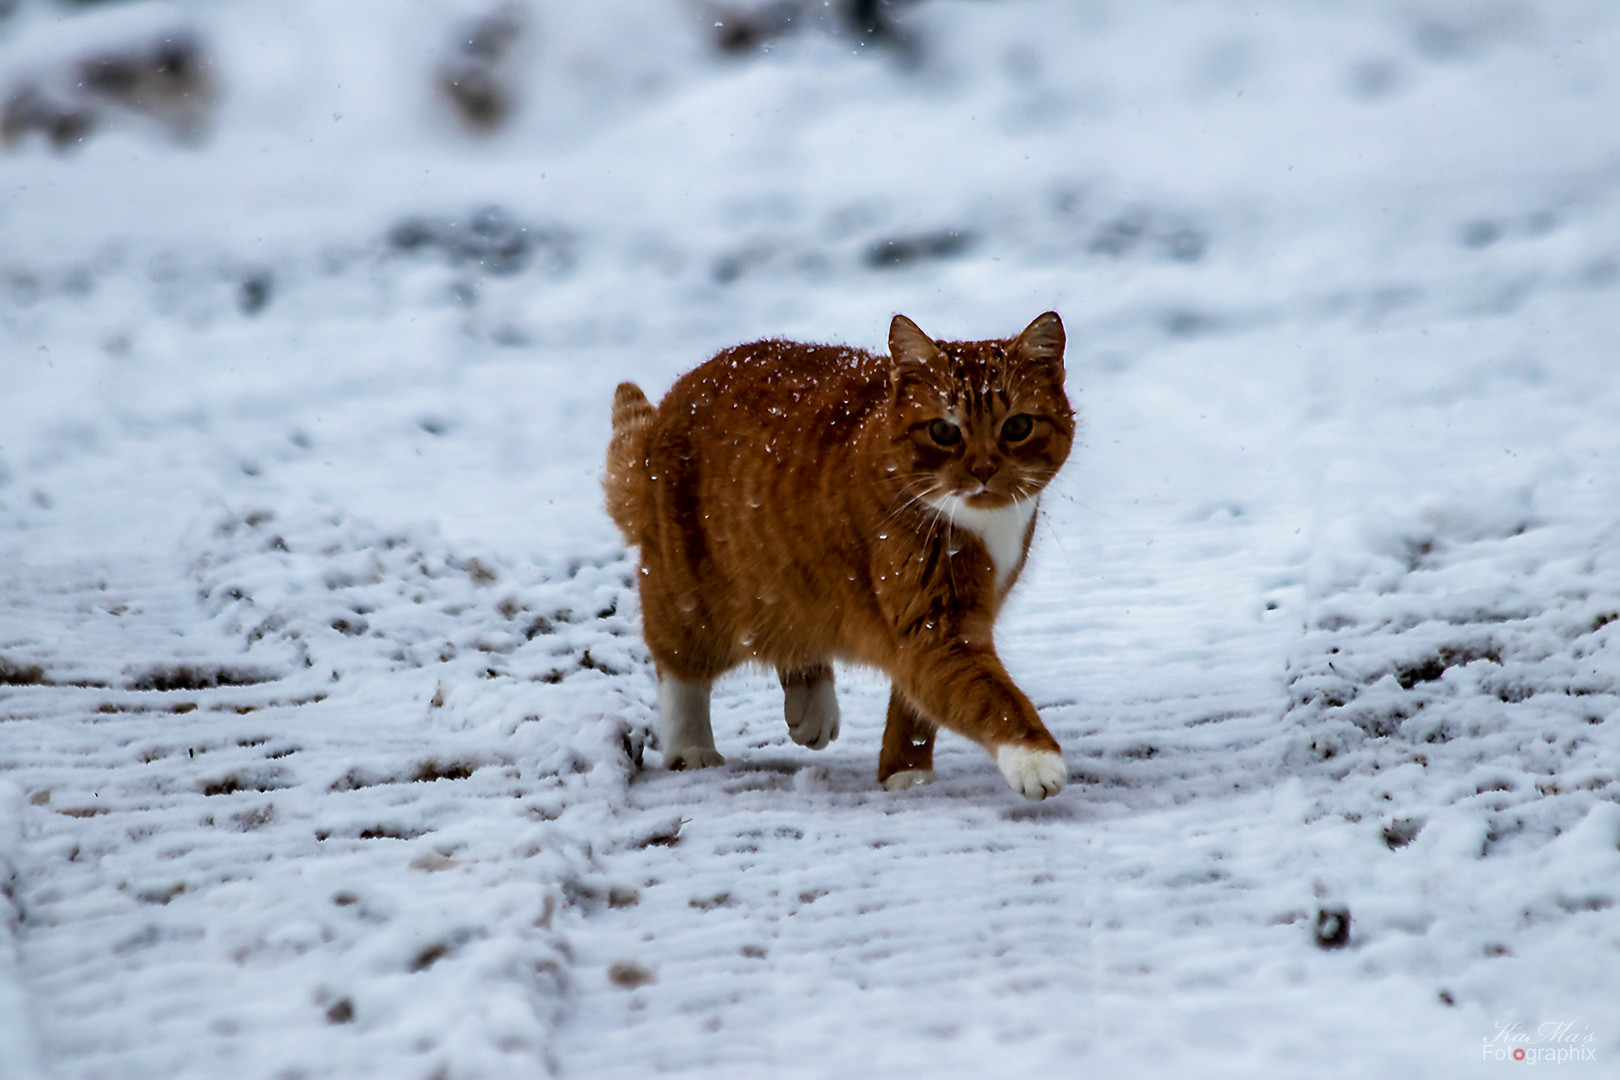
x,y
798,504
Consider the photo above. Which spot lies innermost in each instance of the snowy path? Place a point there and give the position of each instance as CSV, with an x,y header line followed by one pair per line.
x,y
324,718
1226,812
232,866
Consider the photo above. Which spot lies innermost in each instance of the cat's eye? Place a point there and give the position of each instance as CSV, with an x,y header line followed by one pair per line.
x,y
1017,427
944,433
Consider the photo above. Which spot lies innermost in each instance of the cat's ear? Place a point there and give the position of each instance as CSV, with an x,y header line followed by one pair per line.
x,y
911,352
1041,343
907,343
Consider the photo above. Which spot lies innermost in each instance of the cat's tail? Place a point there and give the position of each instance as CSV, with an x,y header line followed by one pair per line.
x,y
626,477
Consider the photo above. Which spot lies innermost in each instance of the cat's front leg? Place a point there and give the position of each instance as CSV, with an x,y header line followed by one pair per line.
x,y
684,731
810,705
1033,773
964,687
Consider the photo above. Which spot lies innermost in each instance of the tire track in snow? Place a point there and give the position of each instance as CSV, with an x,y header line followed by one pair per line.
x,y
19,1049
1457,684
785,916
250,827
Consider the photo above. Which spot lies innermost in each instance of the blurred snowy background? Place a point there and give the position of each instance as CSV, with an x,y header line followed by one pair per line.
x,y
325,726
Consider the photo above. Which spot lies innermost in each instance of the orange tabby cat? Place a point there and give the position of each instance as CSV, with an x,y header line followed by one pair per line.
x,y
799,504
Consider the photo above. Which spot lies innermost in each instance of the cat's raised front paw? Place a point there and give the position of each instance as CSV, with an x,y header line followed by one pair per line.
x,y
1034,774
909,778
693,757
811,710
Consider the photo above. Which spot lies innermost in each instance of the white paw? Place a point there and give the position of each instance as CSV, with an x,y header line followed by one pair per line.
x,y
683,725
1034,774
812,713
693,757
909,778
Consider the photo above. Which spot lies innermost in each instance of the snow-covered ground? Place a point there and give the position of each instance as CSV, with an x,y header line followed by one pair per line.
x,y
325,725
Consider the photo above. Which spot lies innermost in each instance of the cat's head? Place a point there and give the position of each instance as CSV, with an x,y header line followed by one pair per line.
x,y
985,422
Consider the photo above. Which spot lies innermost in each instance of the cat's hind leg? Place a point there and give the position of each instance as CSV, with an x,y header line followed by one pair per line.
x,y
810,705
907,757
684,731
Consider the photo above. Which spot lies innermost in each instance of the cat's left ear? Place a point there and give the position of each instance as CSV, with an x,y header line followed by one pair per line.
x,y
1042,342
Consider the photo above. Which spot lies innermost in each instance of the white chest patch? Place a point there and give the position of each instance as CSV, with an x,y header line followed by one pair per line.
x,y
1002,530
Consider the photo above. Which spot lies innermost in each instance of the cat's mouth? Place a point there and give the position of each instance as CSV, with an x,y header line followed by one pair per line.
x,y
982,498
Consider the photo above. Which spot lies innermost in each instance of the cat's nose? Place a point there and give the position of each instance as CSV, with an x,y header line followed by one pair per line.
x,y
984,470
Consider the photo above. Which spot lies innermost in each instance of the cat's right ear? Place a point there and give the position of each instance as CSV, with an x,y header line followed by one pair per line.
x,y
911,352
